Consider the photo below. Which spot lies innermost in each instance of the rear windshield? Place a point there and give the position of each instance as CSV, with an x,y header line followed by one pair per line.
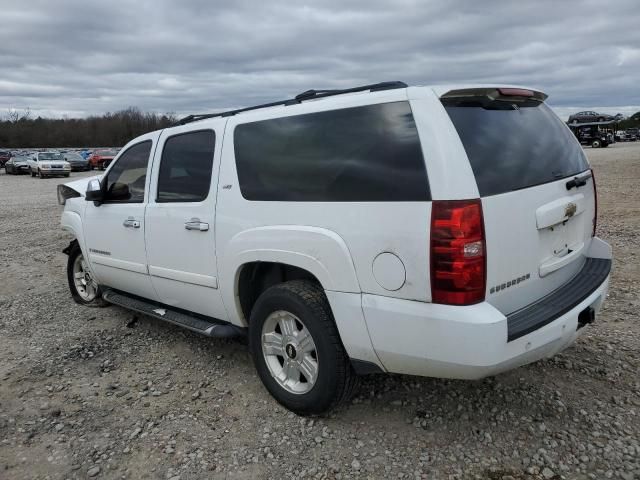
x,y
513,146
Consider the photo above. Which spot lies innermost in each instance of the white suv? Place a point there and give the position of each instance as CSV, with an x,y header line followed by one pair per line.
x,y
438,231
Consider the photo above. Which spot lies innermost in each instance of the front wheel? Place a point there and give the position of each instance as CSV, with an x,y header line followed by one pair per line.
x,y
83,286
40,174
297,349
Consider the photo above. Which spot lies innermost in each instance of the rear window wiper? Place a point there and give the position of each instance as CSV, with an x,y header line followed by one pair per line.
x,y
578,181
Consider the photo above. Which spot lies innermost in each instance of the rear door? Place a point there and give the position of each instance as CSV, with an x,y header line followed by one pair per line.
x,y
538,222
180,219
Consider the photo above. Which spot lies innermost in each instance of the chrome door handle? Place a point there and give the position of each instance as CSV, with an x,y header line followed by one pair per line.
x,y
196,224
131,223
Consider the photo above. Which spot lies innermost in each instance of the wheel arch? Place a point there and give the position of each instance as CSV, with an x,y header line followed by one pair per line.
x,y
302,251
71,222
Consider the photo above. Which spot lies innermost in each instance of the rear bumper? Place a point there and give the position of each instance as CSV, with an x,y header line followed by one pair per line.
x,y
474,341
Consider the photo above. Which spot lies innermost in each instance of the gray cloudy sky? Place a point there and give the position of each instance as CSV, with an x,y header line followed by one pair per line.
x,y
75,58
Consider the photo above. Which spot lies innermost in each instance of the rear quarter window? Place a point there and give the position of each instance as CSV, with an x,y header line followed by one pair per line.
x,y
514,147
366,154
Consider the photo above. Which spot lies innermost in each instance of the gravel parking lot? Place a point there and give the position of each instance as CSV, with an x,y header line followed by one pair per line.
x,y
104,393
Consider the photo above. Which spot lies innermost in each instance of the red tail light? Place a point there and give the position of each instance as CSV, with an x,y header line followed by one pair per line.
x,y
458,262
595,202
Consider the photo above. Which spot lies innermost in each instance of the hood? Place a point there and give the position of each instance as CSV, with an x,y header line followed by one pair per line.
x,y
80,185
52,162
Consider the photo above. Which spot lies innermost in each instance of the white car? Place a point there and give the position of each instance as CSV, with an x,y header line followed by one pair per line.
x,y
49,164
440,231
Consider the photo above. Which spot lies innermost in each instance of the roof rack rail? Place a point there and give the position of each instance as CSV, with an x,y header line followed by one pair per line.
x,y
308,95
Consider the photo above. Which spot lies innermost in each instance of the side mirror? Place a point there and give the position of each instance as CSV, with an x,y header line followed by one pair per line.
x,y
94,192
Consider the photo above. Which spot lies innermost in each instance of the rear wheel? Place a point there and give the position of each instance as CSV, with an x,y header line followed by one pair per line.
x,y
595,144
83,286
297,349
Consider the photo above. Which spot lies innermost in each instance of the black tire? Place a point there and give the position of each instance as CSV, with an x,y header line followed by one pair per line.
x,y
596,144
336,379
32,174
40,174
66,174
97,301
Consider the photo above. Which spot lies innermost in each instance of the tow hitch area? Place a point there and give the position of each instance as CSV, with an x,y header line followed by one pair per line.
x,y
587,316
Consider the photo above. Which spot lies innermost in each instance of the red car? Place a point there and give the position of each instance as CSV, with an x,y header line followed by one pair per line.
x,y
101,158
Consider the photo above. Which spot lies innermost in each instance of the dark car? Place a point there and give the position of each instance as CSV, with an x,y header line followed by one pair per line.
x,y
632,134
101,158
589,117
4,157
17,165
592,135
76,161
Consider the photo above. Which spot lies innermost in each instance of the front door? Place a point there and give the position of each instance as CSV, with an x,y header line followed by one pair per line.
x,y
180,220
115,229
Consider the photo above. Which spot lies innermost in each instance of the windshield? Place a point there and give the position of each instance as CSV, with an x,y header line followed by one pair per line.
x,y
514,145
50,156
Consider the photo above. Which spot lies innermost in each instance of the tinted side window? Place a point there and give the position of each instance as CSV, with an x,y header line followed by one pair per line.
x,y
185,167
512,148
366,154
126,179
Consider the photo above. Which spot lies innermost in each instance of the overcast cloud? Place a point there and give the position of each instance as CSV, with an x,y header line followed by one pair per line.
x,y
76,58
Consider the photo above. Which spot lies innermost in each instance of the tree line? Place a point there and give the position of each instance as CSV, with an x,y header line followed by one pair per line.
x,y
20,130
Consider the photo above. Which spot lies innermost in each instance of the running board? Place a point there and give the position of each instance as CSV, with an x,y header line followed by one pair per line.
x,y
194,322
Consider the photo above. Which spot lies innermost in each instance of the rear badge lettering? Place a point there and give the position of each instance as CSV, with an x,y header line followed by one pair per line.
x,y
510,283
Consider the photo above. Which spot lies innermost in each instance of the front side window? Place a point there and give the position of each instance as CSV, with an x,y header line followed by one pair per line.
x,y
125,182
366,154
185,167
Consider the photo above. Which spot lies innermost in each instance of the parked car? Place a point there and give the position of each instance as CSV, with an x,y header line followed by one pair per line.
x,y
376,229
17,165
101,159
587,117
5,155
76,161
632,134
593,136
48,164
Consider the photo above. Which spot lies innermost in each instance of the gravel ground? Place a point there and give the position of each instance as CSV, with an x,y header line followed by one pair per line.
x,y
102,393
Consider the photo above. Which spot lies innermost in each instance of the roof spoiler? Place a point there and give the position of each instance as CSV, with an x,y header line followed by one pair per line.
x,y
497,93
